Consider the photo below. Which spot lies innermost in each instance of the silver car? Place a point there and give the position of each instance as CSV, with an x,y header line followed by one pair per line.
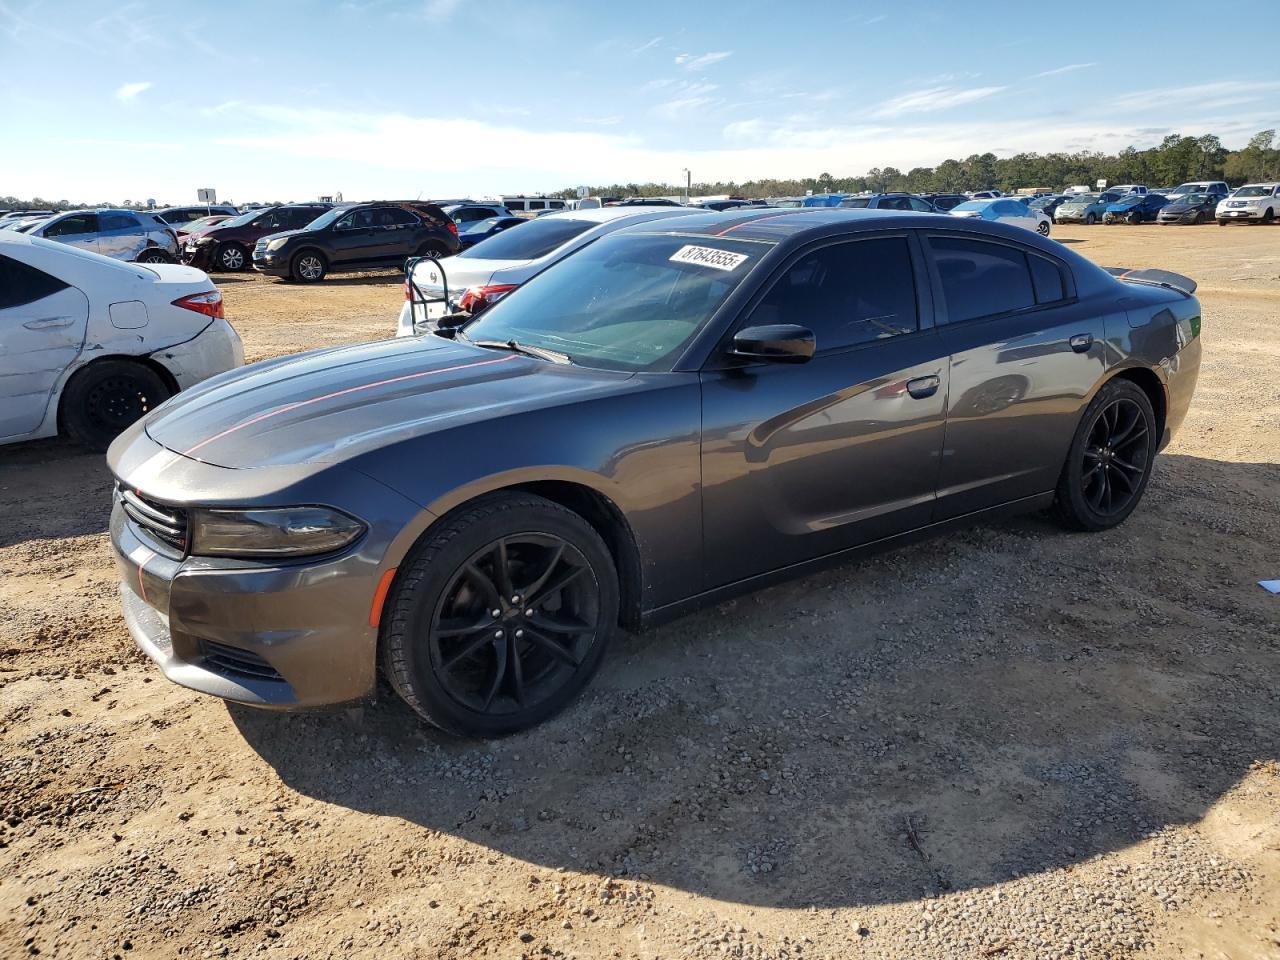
x,y
120,234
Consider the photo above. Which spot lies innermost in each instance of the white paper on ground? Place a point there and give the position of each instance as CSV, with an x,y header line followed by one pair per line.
x,y
1271,586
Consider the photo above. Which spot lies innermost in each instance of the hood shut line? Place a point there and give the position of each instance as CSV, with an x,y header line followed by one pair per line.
x,y
342,393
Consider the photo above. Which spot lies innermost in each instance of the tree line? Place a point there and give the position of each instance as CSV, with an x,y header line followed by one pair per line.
x,y
1176,160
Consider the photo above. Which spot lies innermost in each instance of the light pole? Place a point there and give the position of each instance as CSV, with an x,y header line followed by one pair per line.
x,y
688,184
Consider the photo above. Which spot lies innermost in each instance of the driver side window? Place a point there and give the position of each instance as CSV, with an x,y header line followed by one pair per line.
x,y
846,293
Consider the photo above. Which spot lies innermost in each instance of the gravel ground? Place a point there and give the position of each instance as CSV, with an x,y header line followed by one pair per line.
x,y
1011,742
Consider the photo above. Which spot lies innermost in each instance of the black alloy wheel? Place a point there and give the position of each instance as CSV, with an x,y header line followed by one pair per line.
x,y
514,622
1109,463
500,615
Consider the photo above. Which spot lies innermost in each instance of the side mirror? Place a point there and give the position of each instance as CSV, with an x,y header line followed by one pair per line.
x,y
774,343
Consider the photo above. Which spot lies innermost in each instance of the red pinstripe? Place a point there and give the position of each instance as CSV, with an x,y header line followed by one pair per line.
x,y
342,393
748,223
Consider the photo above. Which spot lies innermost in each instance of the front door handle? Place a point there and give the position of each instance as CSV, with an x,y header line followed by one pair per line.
x,y
1081,342
49,323
922,387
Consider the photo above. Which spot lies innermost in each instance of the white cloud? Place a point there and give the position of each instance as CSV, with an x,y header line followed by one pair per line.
x,y
129,91
610,121
1069,68
647,46
440,9
1203,96
935,98
691,61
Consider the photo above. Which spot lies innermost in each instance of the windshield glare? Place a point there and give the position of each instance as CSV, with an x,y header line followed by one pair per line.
x,y
534,239
972,205
325,218
1252,192
627,302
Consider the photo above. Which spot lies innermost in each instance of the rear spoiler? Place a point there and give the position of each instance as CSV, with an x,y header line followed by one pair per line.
x,y
1155,278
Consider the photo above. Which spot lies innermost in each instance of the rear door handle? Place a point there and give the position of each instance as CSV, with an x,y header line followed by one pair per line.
x,y
922,387
1081,342
49,323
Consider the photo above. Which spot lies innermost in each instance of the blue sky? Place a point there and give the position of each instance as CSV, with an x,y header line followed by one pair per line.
x,y
284,99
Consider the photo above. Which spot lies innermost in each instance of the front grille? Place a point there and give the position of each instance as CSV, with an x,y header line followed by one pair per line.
x,y
242,663
158,521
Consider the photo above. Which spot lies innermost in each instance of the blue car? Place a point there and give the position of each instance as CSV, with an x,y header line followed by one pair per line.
x,y
477,230
816,200
1135,208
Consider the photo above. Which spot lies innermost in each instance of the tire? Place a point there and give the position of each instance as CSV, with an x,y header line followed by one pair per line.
x,y
1042,228
153,255
1091,218
472,678
107,396
230,257
1269,216
1222,223
308,266
1133,219
1109,463
1199,218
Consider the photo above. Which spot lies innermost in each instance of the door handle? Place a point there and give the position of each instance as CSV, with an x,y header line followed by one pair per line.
x,y
1081,342
49,323
922,387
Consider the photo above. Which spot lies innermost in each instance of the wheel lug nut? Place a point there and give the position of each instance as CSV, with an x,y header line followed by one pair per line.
x,y
516,599
497,634
529,612
519,634
496,613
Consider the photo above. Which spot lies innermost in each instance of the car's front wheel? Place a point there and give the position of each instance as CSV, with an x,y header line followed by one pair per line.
x,y
1042,228
231,257
105,397
308,267
1090,219
154,255
500,616
1109,462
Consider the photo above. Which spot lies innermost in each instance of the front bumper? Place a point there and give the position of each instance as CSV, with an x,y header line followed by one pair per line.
x,y
1179,217
1242,213
198,256
277,634
274,263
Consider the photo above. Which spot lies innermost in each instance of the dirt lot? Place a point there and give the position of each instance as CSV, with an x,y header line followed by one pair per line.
x,y
1011,743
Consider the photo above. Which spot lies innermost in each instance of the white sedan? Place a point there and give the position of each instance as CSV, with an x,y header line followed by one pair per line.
x,y
89,344
483,274
1005,210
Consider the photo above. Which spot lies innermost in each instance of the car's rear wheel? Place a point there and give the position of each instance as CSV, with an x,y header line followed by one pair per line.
x,y
1109,462
1133,218
154,255
1199,218
231,257
1090,219
1042,228
308,267
501,616
104,398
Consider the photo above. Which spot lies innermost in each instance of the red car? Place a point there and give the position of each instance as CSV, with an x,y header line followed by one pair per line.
x,y
228,245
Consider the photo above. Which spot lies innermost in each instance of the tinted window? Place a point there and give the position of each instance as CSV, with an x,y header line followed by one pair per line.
x,y
919,205
356,219
21,284
393,217
981,279
118,221
534,239
1047,279
537,205
847,293
75,224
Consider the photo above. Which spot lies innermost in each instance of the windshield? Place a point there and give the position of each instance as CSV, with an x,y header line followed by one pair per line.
x,y
1253,192
788,203
534,239
325,218
859,202
241,220
1194,198
1083,198
627,302
972,205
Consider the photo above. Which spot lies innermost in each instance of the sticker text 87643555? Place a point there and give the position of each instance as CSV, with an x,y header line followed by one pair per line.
x,y
708,257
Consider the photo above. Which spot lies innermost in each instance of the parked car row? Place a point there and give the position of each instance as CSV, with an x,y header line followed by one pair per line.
x,y
1189,203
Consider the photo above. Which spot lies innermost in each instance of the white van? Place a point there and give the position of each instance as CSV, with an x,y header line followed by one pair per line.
x,y
534,205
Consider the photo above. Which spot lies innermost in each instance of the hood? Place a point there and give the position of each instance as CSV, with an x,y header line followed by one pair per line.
x,y
1126,203
331,405
1184,205
283,233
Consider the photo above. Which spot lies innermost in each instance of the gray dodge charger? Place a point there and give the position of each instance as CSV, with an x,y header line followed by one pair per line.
x,y
682,411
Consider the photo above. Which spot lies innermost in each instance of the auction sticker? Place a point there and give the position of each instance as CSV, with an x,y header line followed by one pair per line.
x,y
708,257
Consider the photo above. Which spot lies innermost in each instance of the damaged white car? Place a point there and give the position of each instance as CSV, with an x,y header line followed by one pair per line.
x,y
89,344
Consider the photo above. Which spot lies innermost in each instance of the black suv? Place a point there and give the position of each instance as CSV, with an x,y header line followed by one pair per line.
x,y
363,236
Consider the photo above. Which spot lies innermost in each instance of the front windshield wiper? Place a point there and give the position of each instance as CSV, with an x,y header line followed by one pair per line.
x,y
528,349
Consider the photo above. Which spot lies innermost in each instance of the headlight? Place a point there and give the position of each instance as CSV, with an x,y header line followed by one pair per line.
x,y
202,241
277,243
276,532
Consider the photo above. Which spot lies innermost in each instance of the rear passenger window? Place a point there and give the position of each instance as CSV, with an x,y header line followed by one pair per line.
x,y
118,221
981,279
1047,279
847,293
21,284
